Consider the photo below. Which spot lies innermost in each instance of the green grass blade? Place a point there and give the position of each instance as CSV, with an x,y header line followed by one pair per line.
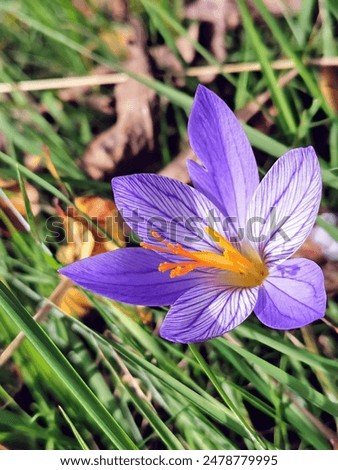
x,y
213,379
162,430
29,212
302,389
208,406
330,229
277,93
279,344
76,433
286,45
37,179
58,363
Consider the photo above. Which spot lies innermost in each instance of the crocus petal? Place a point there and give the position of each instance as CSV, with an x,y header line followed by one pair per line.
x,y
284,206
292,296
131,275
229,176
205,312
176,211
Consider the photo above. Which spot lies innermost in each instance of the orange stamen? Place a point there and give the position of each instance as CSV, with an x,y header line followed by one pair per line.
x,y
245,272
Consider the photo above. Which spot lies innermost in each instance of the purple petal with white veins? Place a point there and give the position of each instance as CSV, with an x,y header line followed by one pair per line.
x,y
285,205
176,211
292,296
205,312
131,275
229,176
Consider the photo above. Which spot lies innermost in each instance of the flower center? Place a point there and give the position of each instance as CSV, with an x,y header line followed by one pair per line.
x,y
242,271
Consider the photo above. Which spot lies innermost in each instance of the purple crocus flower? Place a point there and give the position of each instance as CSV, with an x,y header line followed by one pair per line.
x,y
222,249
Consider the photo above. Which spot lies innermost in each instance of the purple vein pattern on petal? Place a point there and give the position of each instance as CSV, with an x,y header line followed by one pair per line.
x,y
203,312
229,176
292,296
176,211
131,275
285,205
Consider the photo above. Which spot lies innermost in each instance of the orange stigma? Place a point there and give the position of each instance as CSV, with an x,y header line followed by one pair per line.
x,y
238,270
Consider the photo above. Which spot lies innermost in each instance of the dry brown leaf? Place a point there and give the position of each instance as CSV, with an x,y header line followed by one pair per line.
x,y
12,190
118,38
328,84
75,302
33,162
216,16
145,315
99,102
117,8
80,241
167,61
255,105
95,207
177,168
83,7
328,345
88,95
212,16
184,43
33,196
212,12
276,7
133,133
280,7
105,212
232,15
84,240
